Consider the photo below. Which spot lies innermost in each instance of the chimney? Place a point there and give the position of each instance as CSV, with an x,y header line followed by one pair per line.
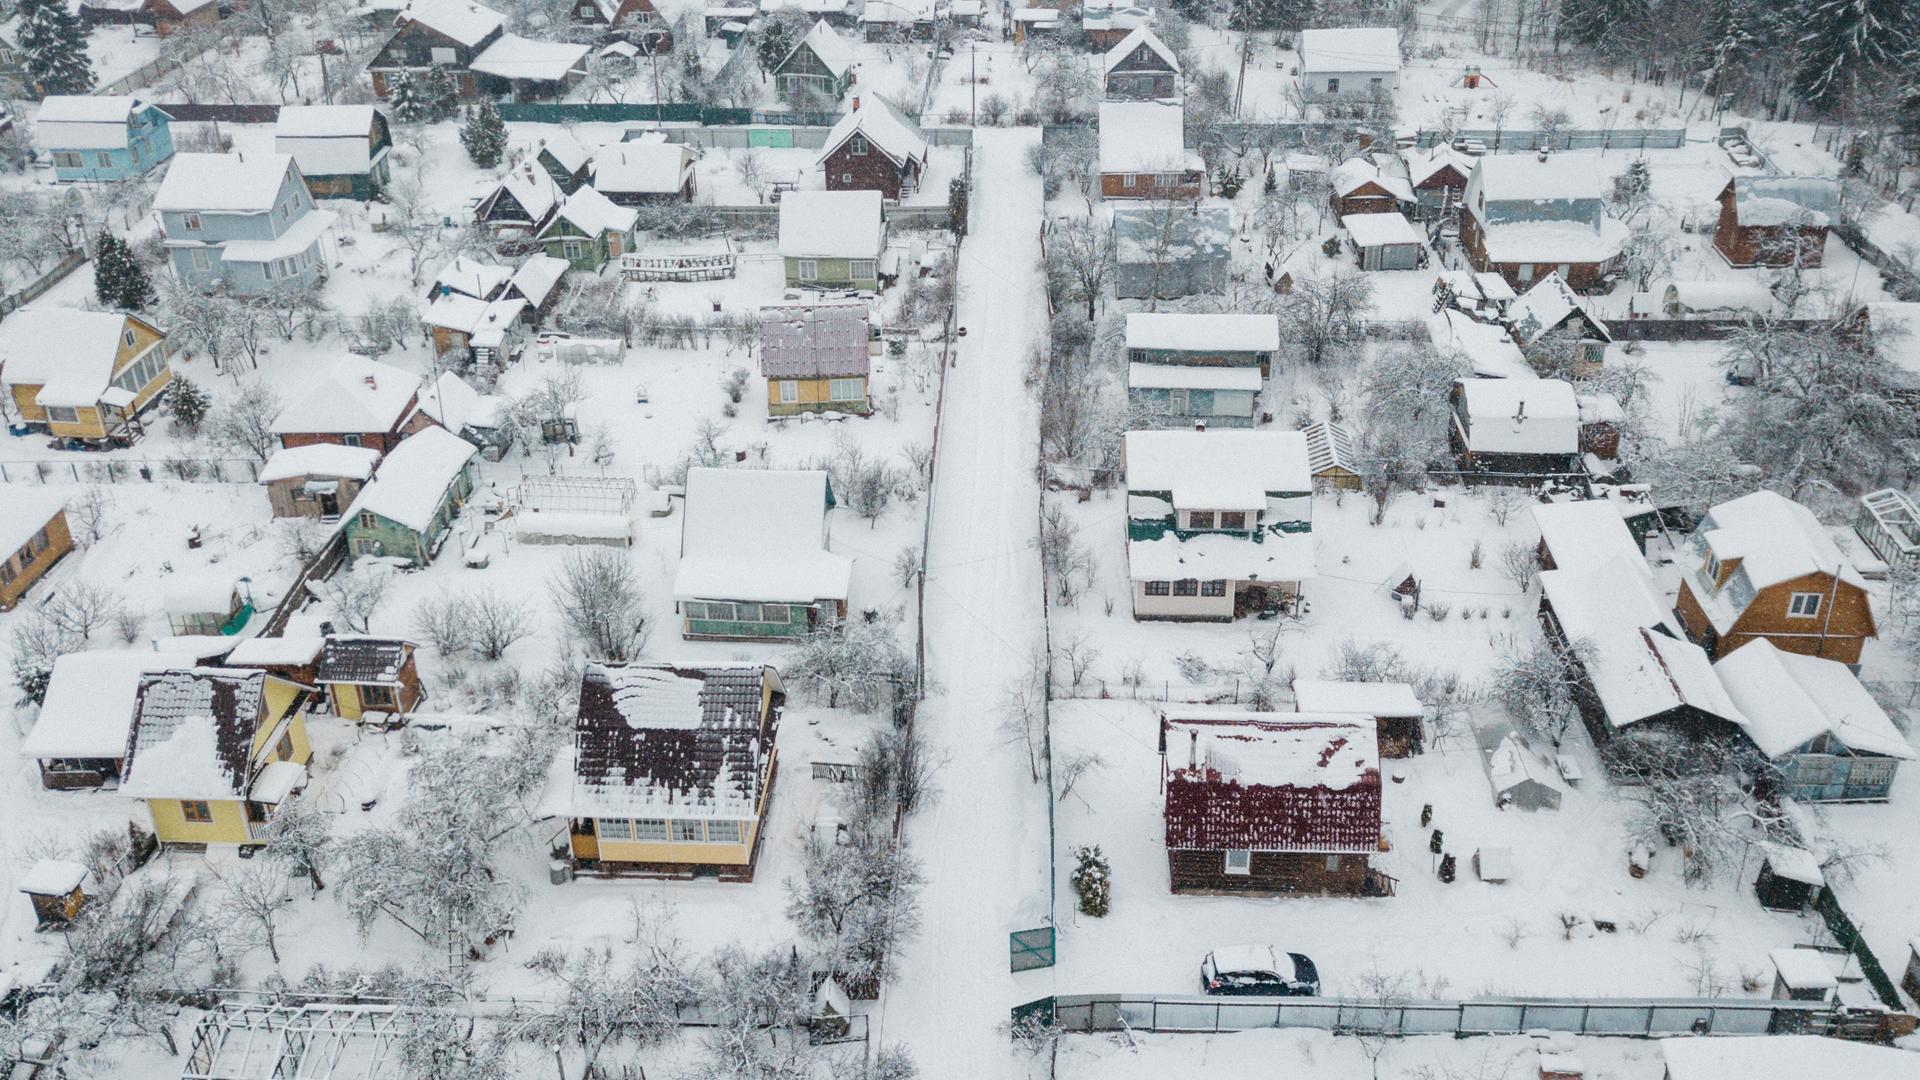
x,y
371,383
856,103
1199,425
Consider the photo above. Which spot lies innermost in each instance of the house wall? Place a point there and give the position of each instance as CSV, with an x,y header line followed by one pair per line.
x,y
681,859
1220,408
800,619
228,824
346,701
1183,608
149,142
1580,277
1839,638
383,441
836,273
871,171
287,500
1272,873
1347,84
1390,257
813,395
78,774
1171,185
1368,198
411,48
1837,778
1765,245
243,278
27,565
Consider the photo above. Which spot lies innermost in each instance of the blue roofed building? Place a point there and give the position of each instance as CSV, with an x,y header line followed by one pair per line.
x,y
102,138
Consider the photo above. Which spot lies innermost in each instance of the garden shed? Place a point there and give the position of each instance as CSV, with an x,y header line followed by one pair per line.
x,y
1520,776
56,889
1383,241
1332,458
1789,878
1802,975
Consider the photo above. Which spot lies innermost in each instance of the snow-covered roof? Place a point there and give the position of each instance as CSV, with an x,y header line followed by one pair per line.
x,y
593,214
52,877
1785,200
1554,241
1218,470
516,57
529,524
884,125
1423,165
1749,296
462,20
277,780
324,121
472,277
415,477
1793,863
1584,534
89,702
1381,230
565,148
1790,699
1528,178
474,318
85,122
1521,416
833,50
831,224
327,140
1785,1057
1775,539
1143,234
1135,38
223,183
531,187
1271,781
668,741
193,734
536,277
1037,16
1355,173
758,535
198,592
1344,49
320,459
642,167
24,511
1548,304
1486,346
1377,699
814,340
890,12
297,238
1192,377
89,341
1169,331
451,402
276,652
1145,137
356,395
1803,969
1329,446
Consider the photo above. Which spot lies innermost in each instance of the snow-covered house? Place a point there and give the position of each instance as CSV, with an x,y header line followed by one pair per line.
x,y
1184,368
409,507
564,157
671,770
340,149
1169,250
1271,804
1524,428
470,277
214,751
1533,214
897,20
1583,534
522,204
1776,220
1106,23
820,66
1484,296
1169,395
1361,62
169,17
481,331
369,678
317,480
1717,300
1521,777
1557,329
79,739
1891,328
1485,346
636,21
754,556
356,402
33,536
1384,241
1038,23
644,171
1141,68
876,147
534,282
589,229
205,603
1333,457
1397,712
1143,152
1438,176
470,42
1822,730
815,357
1359,186
1219,523
295,658
243,222
112,138
1784,1057
82,376
832,239
1763,567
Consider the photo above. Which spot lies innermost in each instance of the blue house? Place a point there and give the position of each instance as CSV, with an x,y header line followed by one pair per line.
x,y
1827,738
102,138
242,222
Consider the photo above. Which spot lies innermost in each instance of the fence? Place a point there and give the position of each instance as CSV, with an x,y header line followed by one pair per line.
x,y
1848,937
130,471
68,263
1902,273
736,137
225,114
1642,1017
1525,140
672,112
1703,329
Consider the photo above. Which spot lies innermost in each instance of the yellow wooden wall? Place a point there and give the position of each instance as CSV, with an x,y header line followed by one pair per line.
x,y
88,424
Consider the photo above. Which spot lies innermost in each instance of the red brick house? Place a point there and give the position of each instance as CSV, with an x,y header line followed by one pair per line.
x,y
875,148
357,402
1776,220
1271,804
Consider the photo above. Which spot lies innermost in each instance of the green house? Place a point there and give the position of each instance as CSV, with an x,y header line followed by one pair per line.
x,y
754,561
408,508
832,239
588,230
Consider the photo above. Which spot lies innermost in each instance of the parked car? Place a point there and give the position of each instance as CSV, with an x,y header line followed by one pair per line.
x,y
1263,970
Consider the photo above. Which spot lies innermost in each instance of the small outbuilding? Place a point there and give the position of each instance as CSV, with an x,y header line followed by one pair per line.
x,y
1332,457
57,889
369,675
1520,776
1789,878
1396,710
317,480
1523,428
1776,220
1802,975
1889,524
1383,241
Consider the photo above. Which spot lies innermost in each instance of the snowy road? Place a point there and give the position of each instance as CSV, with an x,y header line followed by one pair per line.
x,y
984,840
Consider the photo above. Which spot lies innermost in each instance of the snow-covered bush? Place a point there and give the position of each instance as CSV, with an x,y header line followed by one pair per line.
x,y
1092,880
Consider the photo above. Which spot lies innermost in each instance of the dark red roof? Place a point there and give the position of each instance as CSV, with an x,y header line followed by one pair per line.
x,y
1222,802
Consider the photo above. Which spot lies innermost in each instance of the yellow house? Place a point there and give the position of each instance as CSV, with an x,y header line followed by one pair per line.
x,y
816,357
83,375
363,676
673,768
214,751
33,536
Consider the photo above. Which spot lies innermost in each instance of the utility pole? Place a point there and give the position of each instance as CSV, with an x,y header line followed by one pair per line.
x,y
973,82
1246,46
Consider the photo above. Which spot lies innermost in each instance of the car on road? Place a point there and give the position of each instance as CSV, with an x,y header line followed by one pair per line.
x,y
1264,970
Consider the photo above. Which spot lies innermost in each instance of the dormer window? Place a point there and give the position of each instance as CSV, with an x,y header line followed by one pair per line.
x,y
1713,569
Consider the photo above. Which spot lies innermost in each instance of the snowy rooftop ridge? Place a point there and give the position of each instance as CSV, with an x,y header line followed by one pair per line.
x,y
641,168
1271,781
885,126
462,20
758,535
193,734
671,741
320,459
357,395
237,183
1790,699
89,702
85,121
1521,416
415,477
1343,49
1775,539
1138,36
1216,470
1171,331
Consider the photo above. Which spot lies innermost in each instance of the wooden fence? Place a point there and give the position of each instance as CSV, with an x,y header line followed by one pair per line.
x,y
68,263
1702,329
82,468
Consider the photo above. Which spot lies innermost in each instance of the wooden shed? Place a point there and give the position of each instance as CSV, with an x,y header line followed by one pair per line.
x,y
1332,457
1802,975
1789,878
57,889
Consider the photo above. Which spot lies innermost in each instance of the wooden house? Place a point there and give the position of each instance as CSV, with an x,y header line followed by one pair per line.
x,y
1776,220
1219,523
1333,458
820,67
673,769
1036,23
1763,567
1190,339
214,752
356,402
340,149
1384,241
102,137
588,230
897,20
1106,23
1271,804
832,239
1170,249
637,21
1361,187
645,171
79,738
522,204
479,331
1828,739
1557,329
1530,215
169,17
243,223
293,658
1399,717
1360,63
33,536
368,676
56,888
876,147
1789,878
318,480
534,282
1184,368
815,357
470,42
755,560
1141,68
563,156
1438,177
408,509
1521,428
472,277
1143,152
107,370
1176,396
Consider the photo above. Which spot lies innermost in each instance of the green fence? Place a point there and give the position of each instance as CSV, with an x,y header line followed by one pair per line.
x,y
1847,936
673,112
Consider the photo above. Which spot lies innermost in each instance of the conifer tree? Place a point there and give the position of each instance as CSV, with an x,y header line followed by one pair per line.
x,y
119,281
405,97
53,47
1847,44
484,135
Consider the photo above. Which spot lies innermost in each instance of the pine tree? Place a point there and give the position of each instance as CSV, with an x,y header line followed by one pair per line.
x,y
405,97
119,281
440,93
484,135
187,404
1093,880
1844,44
53,47
958,198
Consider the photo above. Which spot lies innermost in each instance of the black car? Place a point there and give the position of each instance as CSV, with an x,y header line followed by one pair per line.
x,y
1260,970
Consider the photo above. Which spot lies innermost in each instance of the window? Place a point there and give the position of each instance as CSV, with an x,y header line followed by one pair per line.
x,y
196,811
39,543
746,612
350,440
1376,84
719,612
376,697
366,519
1163,181
723,832
67,159
103,159
846,178
775,613
1186,587
127,337
1127,179
1177,402
1713,569
7,572
60,414
284,751
1333,861
858,146
789,391
616,829
1876,773
443,55
586,11
1213,588
1200,519
1333,86
649,829
689,832
1525,273
809,270
200,259
1804,605
1233,519
1156,588
266,270
860,269
190,222
1239,862
571,250
845,389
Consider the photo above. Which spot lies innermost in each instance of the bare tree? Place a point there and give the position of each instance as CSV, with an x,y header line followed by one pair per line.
x,y
1697,794
254,895
1080,260
356,592
1323,315
244,421
1519,562
1534,683
1023,717
90,513
599,599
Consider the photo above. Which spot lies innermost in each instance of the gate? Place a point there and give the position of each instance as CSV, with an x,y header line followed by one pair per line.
x,y
1029,949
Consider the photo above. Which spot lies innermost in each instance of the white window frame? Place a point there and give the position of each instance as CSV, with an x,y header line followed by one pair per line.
x,y
200,260
845,390
1805,605
809,270
615,829
737,828
1245,866
1524,272
789,391
62,414
69,159
1127,179
443,56
650,830
859,269
688,830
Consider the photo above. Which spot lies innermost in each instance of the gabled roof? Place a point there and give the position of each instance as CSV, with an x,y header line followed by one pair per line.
x,y
531,187
462,20
89,703
1424,165
565,148
536,277
324,121
1790,699
758,535
1381,230
642,167
354,396
593,214
514,57
814,341
362,660
1135,38
223,183
1144,137
471,277
885,127
1144,234
1218,470
414,478
485,322
79,369
1785,200
1548,305
1521,416
1179,331
1292,782
833,51
667,741
831,224
24,511
1355,173
193,732
85,121
320,459
1487,347
1525,177
328,140
1377,699
1585,534
1775,539
1343,49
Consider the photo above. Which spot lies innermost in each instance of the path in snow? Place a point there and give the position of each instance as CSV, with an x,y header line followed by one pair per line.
x,y
984,839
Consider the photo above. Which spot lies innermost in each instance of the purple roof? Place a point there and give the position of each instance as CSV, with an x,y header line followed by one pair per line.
x,y
813,341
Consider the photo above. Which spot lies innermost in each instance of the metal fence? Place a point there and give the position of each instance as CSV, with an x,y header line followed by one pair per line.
x,y
736,137
672,112
101,470
1494,1016
1526,140
1701,329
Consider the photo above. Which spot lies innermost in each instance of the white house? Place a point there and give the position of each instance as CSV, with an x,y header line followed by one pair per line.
x,y
1362,62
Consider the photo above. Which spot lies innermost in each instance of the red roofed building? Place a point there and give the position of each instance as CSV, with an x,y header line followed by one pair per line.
x,y
1271,804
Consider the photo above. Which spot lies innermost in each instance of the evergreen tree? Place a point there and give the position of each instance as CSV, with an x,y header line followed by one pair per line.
x,y
484,135
440,93
119,281
187,404
958,198
1847,44
1612,28
53,47
404,96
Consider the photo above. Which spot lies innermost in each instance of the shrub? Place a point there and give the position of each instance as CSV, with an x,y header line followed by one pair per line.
x,y
1093,880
